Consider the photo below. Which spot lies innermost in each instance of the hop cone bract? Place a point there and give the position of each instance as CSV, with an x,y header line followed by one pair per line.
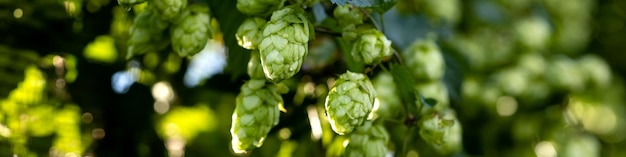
x,y
255,69
259,7
371,46
256,113
191,31
284,43
349,102
249,33
368,140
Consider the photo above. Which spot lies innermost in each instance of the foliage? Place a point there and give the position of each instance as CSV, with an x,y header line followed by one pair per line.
x,y
312,78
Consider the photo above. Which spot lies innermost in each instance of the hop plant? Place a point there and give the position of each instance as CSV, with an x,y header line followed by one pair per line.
x,y
349,102
255,70
169,9
371,47
256,113
284,43
259,7
249,32
368,140
192,30
442,131
146,34
426,60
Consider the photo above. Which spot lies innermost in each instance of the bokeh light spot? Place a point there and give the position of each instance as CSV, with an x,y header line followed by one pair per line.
x,y
18,13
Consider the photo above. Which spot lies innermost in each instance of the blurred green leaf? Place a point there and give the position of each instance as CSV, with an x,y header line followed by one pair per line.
x,y
405,84
429,102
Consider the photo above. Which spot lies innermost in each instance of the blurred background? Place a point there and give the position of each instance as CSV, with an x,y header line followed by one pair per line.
x,y
526,78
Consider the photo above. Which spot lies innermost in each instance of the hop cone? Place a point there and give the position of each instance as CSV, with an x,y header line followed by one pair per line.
x,y
595,70
191,31
146,34
426,60
389,103
169,9
255,70
346,15
441,131
256,113
284,43
349,102
368,140
129,3
249,32
564,74
371,47
259,7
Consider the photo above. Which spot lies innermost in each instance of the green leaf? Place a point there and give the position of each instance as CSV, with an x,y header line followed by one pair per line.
x,y
229,20
405,84
346,48
377,5
429,102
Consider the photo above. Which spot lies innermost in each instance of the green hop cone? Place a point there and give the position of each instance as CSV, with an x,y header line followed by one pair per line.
x,y
596,70
146,34
426,60
347,15
371,47
192,30
255,70
257,112
249,33
259,7
389,103
168,9
284,43
564,74
129,3
442,131
368,140
349,102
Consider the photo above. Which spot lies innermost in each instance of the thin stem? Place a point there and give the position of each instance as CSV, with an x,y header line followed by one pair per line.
x,y
397,55
370,70
407,138
383,67
371,18
382,23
